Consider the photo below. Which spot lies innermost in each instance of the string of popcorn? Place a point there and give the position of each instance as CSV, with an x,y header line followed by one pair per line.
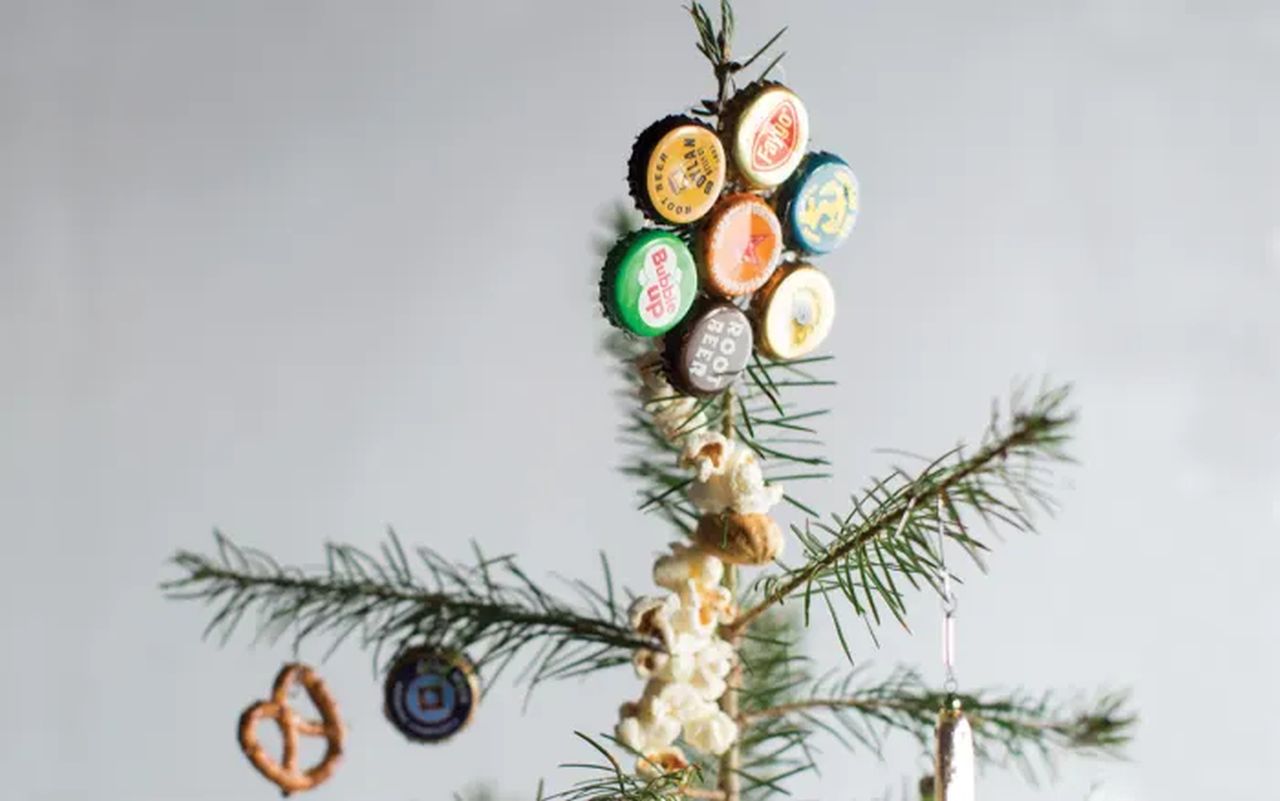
x,y
729,477
684,682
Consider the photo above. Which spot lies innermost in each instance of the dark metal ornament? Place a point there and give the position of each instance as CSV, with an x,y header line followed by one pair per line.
x,y
430,694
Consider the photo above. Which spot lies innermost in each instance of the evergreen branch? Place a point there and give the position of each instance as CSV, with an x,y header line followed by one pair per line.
x,y
1008,727
773,668
490,605
783,706
716,45
764,74
609,782
772,41
893,526
755,413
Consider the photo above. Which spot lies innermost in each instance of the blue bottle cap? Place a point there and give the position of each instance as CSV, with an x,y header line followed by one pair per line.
x,y
430,694
820,204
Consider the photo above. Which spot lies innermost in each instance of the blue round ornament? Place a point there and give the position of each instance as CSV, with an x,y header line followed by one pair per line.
x,y
430,694
820,204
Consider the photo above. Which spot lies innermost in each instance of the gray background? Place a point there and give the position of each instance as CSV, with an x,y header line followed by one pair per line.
x,y
304,269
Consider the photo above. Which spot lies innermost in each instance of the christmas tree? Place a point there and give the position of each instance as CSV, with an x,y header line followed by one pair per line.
x,y
720,320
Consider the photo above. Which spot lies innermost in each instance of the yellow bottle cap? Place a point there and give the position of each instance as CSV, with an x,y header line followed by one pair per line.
x,y
683,165
794,312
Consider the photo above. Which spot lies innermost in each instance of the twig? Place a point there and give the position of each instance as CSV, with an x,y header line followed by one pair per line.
x,y
856,538
492,607
1064,728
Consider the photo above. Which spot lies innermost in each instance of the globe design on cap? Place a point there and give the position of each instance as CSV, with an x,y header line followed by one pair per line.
x,y
821,204
429,694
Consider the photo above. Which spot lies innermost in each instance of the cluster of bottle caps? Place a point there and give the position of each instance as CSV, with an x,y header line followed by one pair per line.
x,y
738,214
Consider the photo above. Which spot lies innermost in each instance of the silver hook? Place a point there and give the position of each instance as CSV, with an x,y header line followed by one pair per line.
x,y
949,607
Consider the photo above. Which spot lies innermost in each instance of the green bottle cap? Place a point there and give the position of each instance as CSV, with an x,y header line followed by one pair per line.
x,y
649,282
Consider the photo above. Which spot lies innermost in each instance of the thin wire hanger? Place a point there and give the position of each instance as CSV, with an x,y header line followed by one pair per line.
x,y
949,607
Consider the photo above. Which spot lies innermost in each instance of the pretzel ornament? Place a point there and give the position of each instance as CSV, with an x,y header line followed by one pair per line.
x,y
285,773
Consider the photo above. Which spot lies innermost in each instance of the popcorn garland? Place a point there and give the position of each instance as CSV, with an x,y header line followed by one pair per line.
x,y
684,682
727,477
728,485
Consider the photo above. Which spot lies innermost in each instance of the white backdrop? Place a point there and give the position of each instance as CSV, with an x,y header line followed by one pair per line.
x,y
304,269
